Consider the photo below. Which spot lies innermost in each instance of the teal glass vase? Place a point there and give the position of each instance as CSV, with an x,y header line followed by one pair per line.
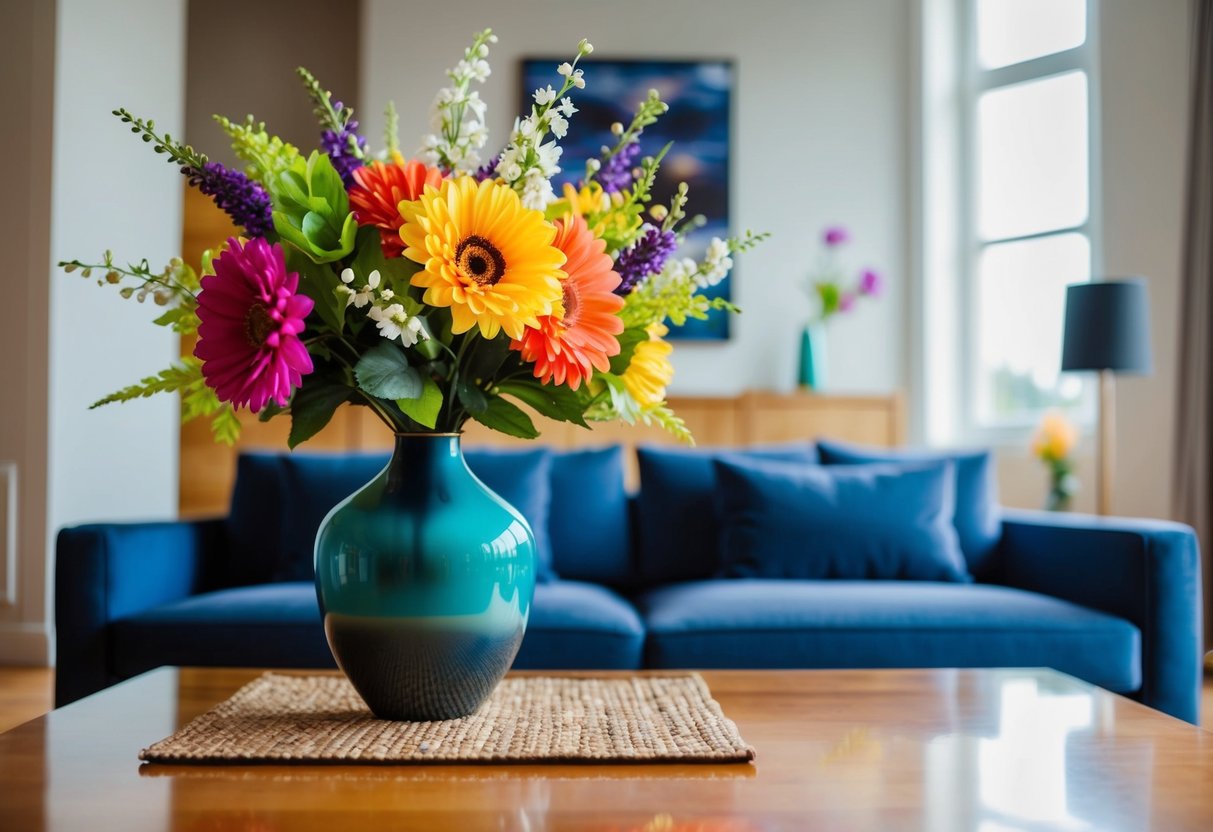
x,y
425,579
812,371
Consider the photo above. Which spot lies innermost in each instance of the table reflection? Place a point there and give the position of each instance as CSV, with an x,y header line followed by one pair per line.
x,y
1025,776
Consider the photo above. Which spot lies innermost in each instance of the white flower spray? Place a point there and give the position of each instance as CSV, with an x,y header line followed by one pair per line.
x,y
457,115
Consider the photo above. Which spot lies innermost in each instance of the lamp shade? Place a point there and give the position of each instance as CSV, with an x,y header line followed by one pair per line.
x,y
1108,327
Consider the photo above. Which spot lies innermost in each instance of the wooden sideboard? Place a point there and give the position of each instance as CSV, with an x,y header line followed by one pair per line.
x,y
207,470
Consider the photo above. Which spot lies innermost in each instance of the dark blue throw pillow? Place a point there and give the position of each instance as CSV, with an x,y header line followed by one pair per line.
x,y
884,521
589,517
978,520
311,484
676,507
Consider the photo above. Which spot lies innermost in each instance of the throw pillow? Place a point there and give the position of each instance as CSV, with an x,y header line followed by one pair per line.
x,y
676,508
884,521
978,520
589,526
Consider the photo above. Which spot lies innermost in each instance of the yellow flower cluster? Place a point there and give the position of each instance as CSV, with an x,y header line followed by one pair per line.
x,y
1055,437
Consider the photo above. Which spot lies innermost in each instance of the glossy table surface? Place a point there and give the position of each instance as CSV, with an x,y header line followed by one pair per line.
x,y
988,750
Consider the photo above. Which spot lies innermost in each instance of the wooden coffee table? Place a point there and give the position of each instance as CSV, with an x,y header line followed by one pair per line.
x,y
883,749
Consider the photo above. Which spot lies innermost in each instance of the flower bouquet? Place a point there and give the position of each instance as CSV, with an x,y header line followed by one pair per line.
x,y
432,290
1053,444
832,292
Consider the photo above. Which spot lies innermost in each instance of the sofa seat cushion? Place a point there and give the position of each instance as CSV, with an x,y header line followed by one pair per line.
x,y
572,625
268,625
581,625
759,623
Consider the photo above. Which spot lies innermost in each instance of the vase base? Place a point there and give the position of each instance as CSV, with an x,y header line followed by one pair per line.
x,y
419,674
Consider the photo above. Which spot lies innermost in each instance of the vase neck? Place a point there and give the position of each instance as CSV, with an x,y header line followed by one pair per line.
x,y
421,457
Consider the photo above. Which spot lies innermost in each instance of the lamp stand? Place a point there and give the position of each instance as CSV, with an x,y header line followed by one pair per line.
x,y
1105,458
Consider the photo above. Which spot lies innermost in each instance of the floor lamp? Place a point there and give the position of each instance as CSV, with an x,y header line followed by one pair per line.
x,y
1107,329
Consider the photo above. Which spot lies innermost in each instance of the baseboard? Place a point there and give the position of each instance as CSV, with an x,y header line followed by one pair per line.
x,y
24,644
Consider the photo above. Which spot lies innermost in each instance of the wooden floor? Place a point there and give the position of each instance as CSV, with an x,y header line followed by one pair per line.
x,y
26,693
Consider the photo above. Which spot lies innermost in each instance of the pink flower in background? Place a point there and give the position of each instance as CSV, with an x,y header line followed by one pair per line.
x,y
870,283
251,317
836,235
846,302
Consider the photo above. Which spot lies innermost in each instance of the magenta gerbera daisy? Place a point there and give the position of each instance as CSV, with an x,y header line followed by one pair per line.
x,y
251,317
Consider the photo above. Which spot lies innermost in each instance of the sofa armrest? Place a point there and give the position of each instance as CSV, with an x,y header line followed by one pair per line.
x,y
104,572
1145,571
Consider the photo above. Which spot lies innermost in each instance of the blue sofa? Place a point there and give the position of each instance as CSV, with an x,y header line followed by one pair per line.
x,y
634,582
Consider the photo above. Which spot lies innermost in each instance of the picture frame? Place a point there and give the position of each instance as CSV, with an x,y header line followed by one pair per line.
x,y
699,123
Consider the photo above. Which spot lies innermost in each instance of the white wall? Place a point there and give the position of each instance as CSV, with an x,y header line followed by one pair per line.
x,y
108,190
820,137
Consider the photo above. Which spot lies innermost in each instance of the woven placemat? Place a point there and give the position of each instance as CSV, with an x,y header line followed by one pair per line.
x,y
534,719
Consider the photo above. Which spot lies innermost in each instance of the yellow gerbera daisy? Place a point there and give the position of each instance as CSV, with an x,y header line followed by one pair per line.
x,y
485,256
650,370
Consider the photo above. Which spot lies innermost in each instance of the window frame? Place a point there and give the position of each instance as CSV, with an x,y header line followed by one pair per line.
x,y
974,82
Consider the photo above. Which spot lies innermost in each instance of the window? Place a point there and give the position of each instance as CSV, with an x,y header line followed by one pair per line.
x,y
1027,228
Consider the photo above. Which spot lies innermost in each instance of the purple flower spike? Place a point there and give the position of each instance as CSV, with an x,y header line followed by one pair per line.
x,y
616,174
836,235
242,199
487,170
644,257
870,283
340,148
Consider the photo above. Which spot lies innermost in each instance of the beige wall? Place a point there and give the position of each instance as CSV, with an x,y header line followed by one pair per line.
x,y
241,59
26,74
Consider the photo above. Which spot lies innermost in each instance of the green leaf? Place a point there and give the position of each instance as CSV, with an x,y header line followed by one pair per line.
x,y
319,282
500,415
423,409
384,372
554,401
313,406
628,340
312,211
225,426
471,397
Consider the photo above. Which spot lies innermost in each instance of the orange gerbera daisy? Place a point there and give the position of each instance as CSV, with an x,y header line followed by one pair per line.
x,y
571,342
380,188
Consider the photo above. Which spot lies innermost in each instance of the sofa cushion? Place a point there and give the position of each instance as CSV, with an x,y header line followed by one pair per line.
x,y
311,484
254,522
884,521
977,518
270,625
588,523
756,623
581,625
676,508
572,625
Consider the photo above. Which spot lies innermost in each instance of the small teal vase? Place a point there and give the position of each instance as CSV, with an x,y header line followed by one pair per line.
x,y
812,372
425,579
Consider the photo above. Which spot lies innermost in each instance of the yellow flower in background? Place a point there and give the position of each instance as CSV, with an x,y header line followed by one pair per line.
x,y
600,209
650,370
1054,438
484,255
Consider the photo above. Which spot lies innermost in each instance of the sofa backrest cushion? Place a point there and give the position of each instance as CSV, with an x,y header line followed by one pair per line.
x,y
588,525
977,519
676,507
889,521
279,501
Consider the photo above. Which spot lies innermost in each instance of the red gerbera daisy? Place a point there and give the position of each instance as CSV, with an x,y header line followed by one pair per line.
x,y
380,188
567,348
251,317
